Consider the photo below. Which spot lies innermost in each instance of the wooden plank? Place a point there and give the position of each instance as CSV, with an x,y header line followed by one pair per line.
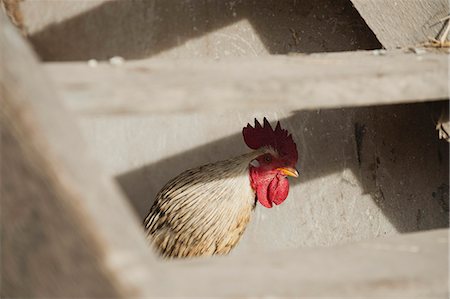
x,y
290,83
404,266
65,229
403,23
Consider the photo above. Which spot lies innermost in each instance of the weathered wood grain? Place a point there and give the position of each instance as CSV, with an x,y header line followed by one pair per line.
x,y
282,82
404,266
65,230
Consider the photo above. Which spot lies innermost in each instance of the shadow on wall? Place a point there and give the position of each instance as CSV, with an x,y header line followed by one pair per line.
x,y
393,151
138,29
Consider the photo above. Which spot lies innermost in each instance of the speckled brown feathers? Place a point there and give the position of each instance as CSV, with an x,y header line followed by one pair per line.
x,y
203,211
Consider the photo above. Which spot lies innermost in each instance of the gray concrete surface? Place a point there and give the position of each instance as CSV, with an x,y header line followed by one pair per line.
x,y
364,172
100,29
295,82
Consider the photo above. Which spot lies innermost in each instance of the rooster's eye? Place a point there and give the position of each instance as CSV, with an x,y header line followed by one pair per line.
x,y
267,158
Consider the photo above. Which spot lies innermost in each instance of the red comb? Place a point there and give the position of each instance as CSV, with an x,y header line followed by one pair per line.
x,y
279,139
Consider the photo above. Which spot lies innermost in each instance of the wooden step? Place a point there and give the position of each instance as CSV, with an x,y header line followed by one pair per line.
x,y
281,82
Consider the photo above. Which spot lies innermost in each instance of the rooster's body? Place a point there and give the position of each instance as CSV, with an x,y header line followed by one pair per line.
x,y
205,210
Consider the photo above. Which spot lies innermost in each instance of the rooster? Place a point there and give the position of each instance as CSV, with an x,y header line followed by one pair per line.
x,y
204,211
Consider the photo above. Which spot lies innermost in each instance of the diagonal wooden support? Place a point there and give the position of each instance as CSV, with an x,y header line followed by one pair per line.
x,y
403,23
65,229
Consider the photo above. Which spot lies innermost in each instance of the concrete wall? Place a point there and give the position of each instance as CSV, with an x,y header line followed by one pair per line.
x,y
81,30
364,172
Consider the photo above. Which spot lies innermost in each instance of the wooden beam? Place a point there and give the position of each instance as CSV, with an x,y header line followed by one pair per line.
x,y
289,83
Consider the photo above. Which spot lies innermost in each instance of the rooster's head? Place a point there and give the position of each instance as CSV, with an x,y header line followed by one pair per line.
x,y
269,171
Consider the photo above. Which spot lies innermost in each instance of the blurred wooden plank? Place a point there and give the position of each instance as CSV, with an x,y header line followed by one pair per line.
x,y
65,229
404,266
290,83
403,23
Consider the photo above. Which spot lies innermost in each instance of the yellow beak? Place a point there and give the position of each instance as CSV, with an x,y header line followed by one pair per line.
x,y
288,171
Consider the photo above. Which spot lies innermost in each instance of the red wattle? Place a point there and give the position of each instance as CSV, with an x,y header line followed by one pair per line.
x,y
278,189
261,195
274,191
